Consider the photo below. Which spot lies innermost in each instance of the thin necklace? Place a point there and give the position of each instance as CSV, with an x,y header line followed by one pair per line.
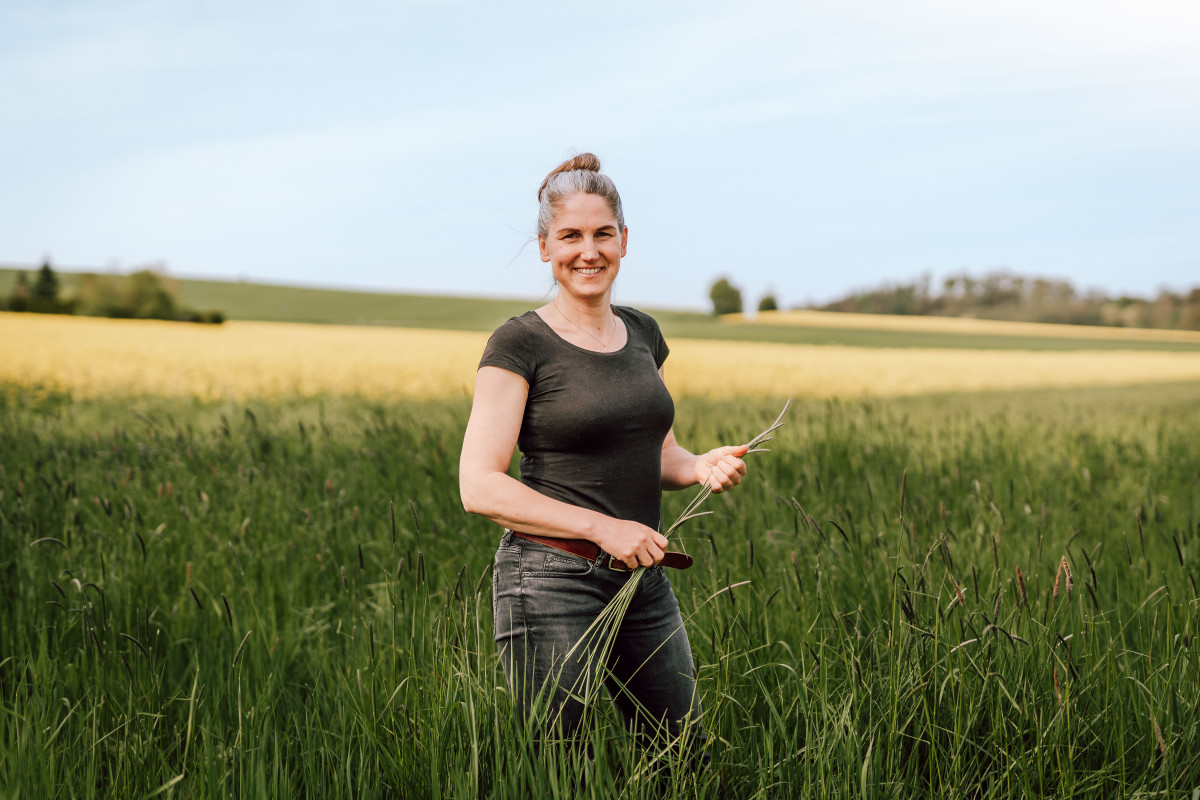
x,y
601,342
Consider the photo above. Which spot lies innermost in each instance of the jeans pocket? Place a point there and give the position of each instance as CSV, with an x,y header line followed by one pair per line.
x,y
538,560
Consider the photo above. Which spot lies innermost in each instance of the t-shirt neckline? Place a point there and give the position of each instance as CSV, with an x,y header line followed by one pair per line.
x,y
555,334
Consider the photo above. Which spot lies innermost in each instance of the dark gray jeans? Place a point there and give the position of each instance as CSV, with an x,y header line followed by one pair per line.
x,y
543,602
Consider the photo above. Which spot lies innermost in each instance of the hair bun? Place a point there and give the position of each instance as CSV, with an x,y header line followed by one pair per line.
x,y
584,161
579,174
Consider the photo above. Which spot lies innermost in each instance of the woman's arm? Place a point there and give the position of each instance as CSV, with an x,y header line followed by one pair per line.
x,y
721,468
487,489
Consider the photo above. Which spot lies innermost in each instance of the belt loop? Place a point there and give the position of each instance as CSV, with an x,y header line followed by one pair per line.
x,y
506,539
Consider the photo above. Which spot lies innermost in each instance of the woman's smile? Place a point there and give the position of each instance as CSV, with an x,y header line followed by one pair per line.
x,y
584,247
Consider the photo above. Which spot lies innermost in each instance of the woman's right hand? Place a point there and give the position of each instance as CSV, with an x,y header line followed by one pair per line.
x,y
632,543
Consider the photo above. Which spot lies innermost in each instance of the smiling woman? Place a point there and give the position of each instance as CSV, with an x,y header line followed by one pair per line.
x,y
578,386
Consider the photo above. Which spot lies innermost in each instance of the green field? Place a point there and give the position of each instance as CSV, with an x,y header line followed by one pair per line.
x,y
251,301
286,600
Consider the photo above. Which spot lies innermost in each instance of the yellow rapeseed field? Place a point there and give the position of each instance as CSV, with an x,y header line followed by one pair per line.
x,y
725,369
92,357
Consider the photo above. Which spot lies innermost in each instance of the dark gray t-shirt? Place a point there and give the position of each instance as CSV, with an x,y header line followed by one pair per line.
x,y
594,423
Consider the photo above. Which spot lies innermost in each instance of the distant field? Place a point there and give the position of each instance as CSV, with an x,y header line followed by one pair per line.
x,y
90,357
261,302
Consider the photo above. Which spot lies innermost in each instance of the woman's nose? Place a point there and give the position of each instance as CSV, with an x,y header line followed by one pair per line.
x,y
590,252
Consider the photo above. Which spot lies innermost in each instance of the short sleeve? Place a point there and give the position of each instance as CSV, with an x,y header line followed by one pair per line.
x,y
511,348
648,333
659,346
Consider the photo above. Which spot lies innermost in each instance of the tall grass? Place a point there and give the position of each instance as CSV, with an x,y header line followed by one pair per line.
x,y
285,599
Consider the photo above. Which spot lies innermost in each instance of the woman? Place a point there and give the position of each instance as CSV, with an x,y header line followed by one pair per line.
x,y
578,386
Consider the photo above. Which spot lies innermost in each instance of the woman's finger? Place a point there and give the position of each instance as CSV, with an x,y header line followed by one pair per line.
x,y
726,474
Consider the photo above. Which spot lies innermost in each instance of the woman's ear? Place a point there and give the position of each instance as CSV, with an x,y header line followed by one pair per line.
x,y
542,248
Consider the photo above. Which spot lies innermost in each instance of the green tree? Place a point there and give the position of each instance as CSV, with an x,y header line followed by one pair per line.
x,y
46,285
44,298
768,303
726,298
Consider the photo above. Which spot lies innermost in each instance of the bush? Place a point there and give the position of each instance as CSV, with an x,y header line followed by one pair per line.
x,y
768,303
19,299
148,298
145,294
141,295
99,296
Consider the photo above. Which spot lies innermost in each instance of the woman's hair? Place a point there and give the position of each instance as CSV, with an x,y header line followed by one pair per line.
x,y
579,174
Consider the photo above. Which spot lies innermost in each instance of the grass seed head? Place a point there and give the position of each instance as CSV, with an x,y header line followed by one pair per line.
x,y
1064,569
1162,745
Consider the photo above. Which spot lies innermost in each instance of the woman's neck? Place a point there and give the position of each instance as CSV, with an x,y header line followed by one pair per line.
x,y
590,311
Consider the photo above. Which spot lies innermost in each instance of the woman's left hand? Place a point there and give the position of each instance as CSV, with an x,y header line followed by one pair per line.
x,y
721,468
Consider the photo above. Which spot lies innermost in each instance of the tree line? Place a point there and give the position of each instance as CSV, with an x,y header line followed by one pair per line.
x,y
1002,295
144,294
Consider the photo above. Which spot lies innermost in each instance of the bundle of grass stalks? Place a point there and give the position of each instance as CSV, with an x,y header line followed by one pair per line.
x,y
598,640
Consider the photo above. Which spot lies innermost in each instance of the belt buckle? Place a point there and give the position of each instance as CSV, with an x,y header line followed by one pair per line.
x,y
615,565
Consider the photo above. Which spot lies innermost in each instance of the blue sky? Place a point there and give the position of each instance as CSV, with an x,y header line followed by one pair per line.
x,y
807,148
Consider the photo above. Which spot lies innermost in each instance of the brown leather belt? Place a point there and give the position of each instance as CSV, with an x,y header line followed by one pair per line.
x,y
591,551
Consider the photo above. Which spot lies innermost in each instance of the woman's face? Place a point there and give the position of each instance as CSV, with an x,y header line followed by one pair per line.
x,y
584,246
